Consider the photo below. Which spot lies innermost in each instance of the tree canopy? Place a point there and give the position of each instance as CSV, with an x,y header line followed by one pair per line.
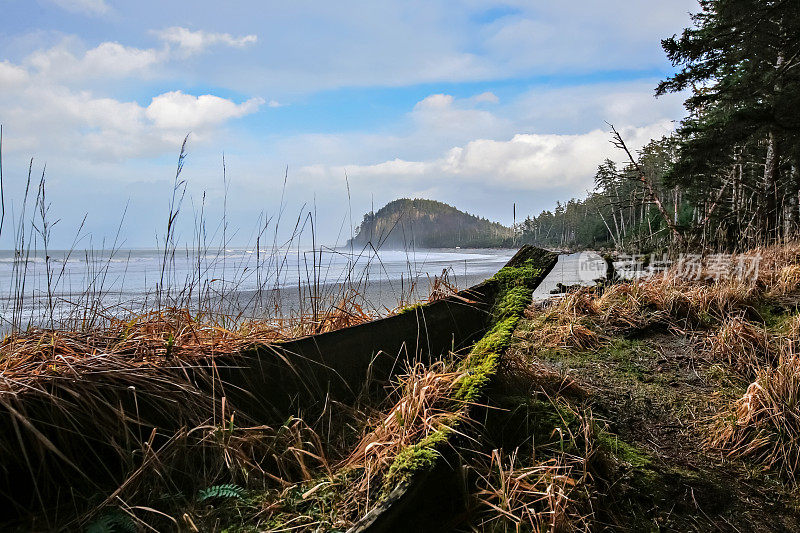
x,y
729,178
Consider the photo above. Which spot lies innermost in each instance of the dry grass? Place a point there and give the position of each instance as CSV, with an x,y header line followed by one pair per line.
x,y
100,391
764,425
530,377
742,345
536,497
562,325
161,337
542,484
157,338
99,388
557,334
423,402
530,463
583,319
151,340
776,265
420,403
787,282
151,355
441,287
81,422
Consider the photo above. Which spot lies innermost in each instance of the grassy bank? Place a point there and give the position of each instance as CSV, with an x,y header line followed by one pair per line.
x,y
659,405
127,423
692,392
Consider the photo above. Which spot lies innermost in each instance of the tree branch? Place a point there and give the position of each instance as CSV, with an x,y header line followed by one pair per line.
x,y
641,177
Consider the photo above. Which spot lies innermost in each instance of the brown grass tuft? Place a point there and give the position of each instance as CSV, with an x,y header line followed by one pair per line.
x,y
743,345
764,424
423,403
536,497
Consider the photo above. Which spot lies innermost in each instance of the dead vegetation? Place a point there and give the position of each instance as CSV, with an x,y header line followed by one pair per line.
x,y
542,461
748,327
763,426
100,389
424,402
740,344
123,377
514,494
552,476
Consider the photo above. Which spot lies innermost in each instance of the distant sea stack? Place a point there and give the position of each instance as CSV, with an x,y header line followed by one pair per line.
x,y
422,223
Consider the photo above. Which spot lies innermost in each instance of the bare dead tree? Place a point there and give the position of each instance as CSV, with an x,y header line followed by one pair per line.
x,y
618,142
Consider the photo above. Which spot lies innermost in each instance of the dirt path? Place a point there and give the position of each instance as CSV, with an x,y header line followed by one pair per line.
x,y
658,393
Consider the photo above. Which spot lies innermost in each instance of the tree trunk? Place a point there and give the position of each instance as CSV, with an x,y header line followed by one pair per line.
x,y
770,213
795,227
645,180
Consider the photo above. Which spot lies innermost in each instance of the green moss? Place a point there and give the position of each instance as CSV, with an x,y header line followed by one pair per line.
x,y
516,285
629,357
514,276
514,303
482,360
473,383
410,308
497,339
623,451
774,317
622,350
651,496
418,457
628,354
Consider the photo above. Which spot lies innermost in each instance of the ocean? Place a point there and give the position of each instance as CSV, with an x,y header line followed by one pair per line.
x,y
240,281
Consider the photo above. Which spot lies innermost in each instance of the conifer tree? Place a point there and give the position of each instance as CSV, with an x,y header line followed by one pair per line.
x,y
741,61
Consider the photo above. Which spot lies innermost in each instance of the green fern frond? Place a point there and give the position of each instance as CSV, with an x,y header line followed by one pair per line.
x,y
225,491
112,521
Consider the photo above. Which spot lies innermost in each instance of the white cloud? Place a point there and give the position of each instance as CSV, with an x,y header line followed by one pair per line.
x,y
50,108
399,44
11,75
67,62
442,113
92,7
72,103
578,108
435,101
526,162
192,42
487,97
56,121
114,58
107,60
176,110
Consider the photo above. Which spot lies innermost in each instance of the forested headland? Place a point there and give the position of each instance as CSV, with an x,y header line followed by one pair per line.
x,y
423,223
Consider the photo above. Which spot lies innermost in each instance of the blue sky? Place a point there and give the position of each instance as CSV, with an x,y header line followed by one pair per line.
x,y
477,103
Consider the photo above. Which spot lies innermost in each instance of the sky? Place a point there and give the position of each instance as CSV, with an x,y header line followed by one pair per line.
x,y
327,108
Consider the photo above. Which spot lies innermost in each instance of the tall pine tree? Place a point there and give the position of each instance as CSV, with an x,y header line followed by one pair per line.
x,y
741,61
